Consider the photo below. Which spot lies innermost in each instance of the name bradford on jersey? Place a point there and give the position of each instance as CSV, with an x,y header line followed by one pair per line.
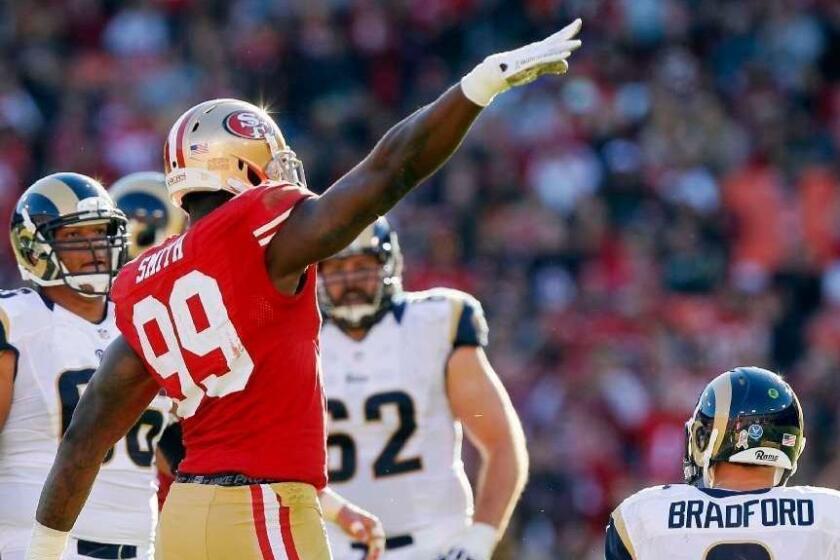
x,y
768,512
683,522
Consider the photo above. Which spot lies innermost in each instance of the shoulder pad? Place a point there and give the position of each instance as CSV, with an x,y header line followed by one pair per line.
x,y
468,326
663,491
21,311
830,493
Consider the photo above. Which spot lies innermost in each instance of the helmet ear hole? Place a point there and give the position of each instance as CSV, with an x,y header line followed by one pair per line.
x,y
253,176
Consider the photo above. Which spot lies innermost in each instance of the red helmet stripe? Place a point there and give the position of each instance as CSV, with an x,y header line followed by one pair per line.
x,y
179,138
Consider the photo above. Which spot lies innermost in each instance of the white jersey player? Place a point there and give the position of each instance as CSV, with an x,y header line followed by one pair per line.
x,y
403,372
742,445
69,239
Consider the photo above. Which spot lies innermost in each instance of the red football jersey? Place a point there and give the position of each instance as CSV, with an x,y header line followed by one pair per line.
x,y
240,358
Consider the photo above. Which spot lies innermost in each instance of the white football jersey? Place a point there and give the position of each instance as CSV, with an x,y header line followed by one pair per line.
x,y
57,352
682,522
394,445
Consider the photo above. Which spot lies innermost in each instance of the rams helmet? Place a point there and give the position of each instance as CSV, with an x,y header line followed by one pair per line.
x,y
379,240
62,200
226,145
151,216
747,415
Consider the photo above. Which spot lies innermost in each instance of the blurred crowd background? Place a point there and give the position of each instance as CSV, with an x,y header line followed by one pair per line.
x,y
668,210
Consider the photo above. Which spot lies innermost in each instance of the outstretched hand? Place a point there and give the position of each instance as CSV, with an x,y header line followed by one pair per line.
x,y
549,56
501,71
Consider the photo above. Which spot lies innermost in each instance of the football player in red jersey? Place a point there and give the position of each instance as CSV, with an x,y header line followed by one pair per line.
x,y
224,317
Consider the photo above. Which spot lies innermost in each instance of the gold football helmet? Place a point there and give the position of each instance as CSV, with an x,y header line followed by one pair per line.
x,y
152,218
226,145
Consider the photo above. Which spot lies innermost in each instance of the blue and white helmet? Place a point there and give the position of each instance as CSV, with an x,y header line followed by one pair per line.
x,y
152,218
61,200
749,416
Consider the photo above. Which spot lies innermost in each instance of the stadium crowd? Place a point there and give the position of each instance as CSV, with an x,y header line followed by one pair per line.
x,y
668,210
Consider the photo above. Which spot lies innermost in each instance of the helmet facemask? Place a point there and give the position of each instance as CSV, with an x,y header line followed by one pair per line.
x,y
284,166
40,248
379,241
362,315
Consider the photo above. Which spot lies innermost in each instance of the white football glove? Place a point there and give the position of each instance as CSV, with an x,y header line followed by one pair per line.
x,y
501,71
476,542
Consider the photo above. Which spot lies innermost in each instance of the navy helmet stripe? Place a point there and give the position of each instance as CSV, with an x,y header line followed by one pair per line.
x,y
132,203
37,204
81,186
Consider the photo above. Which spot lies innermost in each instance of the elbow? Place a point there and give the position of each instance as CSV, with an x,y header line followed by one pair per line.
x,y
524,470
522,460
512,451
518,450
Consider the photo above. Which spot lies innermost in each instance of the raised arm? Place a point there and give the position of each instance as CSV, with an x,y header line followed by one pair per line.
x,y
408,153
118,393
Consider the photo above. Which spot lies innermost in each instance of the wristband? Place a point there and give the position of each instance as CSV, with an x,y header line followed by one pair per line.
x,y
46,543
480,538
331,504
483,83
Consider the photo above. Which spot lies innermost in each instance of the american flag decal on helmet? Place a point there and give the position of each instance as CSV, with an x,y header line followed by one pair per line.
x,y
199,149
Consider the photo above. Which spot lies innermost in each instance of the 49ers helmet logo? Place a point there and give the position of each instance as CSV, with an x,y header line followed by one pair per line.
x,y
247,124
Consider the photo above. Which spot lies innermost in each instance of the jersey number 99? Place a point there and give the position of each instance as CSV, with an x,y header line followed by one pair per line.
x,y
176,323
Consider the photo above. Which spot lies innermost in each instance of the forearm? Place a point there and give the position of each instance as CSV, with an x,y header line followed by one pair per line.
x,y
408,153
417,146
502,477
69,482
113,400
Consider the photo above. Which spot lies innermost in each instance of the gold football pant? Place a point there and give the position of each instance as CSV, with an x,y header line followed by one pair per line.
x,y
279,521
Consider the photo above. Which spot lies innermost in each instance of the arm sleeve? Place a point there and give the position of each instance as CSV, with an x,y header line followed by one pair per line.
x,y
470,325
615,547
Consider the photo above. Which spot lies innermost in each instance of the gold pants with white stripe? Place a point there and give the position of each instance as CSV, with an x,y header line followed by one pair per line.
x,y
279,521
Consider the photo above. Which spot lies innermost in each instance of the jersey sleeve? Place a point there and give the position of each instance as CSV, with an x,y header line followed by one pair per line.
x,y
618,545
469,325
269,206
5,330
15,321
